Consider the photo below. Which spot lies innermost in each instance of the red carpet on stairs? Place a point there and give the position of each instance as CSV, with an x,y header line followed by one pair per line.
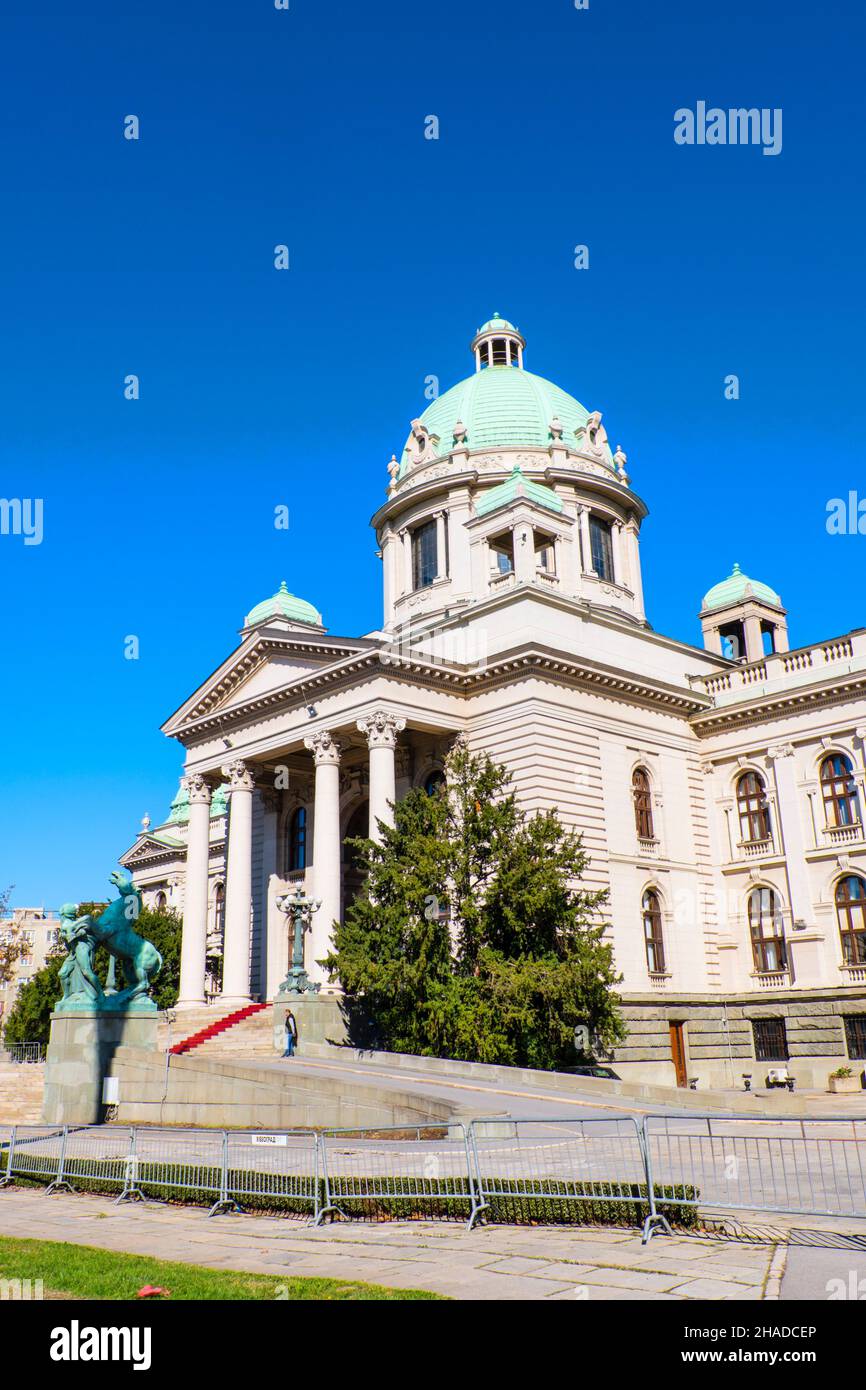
x,y
219,1027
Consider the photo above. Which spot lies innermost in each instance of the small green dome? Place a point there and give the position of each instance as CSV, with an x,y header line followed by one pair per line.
x,y
737,588
179,813
497,325
502,406
283,605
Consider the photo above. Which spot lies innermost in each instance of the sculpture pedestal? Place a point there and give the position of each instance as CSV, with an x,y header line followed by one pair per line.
x,y
318,1016
79,1057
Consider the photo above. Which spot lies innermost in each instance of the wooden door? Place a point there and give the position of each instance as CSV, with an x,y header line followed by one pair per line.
x,y
678,1052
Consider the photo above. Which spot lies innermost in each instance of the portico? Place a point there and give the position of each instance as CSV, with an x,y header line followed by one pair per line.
x,y
325,774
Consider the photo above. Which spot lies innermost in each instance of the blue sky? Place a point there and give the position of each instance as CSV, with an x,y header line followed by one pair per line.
x,y
261,388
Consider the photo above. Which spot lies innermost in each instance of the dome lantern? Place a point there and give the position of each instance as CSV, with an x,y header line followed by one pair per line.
x,y
498,344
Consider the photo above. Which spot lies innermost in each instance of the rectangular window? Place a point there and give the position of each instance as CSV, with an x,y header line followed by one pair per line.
x,y
424,555
601,548
771,1040
855,1036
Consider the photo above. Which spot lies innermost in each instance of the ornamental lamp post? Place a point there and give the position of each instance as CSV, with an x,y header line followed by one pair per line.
x,y
299,911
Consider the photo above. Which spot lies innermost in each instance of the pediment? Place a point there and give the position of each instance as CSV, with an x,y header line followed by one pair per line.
x,y
150,847
261,664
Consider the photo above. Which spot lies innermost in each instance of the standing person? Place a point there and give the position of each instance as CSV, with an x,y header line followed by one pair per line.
x,y
291,1035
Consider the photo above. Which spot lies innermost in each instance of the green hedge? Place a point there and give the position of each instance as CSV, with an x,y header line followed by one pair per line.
x,y
518,1202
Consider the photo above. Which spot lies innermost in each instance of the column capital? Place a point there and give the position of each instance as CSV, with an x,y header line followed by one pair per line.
x,y
324,748
240,776
198,788
381,728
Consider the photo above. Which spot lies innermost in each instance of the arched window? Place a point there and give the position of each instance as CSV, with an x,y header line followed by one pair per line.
x,y
219,906
851,916
841,805
767,929
296,847
161,902
651,911
753,809
434,782
643,803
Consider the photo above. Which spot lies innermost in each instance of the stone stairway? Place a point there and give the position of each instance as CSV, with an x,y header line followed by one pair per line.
x,y
21,1088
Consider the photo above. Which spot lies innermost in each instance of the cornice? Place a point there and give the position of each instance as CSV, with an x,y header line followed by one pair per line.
x,y
820,695
527,660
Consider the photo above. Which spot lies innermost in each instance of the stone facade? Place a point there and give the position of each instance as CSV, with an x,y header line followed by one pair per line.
x,y
514,616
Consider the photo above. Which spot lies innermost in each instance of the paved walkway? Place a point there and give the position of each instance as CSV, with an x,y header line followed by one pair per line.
x,y
490,1263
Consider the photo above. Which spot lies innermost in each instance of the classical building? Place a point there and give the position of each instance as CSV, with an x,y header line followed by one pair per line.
x,y
719,790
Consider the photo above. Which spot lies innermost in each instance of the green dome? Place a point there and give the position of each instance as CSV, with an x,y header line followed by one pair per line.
x,y
502,406
283,605
738,587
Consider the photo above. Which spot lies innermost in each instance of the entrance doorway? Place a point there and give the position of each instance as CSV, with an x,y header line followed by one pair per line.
x,y
678,1052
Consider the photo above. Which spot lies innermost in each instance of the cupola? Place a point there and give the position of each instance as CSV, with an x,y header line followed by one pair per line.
x,y
498,344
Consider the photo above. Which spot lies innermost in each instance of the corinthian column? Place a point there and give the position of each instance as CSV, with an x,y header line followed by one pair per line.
x,y
381,728
239,885
193,945
326,848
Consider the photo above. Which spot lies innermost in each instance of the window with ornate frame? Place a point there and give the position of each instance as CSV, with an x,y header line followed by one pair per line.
x,y
851,916
601,548
767,930
752,808
424,560
296,841
641,790
651,913
839,790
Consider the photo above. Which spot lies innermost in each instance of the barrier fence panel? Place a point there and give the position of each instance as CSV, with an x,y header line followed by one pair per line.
x,y
808,1167
36,1152
405,1169
280,1170
178,1160
524,1165
6,1133
96,1156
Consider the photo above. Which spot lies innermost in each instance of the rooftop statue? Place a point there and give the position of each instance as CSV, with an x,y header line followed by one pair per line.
x,y
114,929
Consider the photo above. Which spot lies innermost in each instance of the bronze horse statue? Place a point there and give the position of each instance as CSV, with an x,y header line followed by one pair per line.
x,y
115,930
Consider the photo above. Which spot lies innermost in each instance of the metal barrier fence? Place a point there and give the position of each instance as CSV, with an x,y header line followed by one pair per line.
x,y
596,1161
279,1169
503,1169
801,1167
26,1052
382,1168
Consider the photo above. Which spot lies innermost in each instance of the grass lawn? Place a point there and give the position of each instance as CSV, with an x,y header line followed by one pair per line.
x,y
82,1271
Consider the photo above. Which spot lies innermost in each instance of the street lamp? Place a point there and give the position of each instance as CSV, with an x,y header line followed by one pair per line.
x,y
299,910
